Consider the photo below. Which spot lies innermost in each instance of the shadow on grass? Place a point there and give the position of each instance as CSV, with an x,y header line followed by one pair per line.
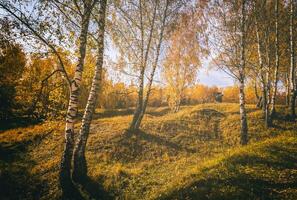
x,y
113,113
10,151
129,111
162,141
18,122
207,112
248,110
248,177
158,113
94,189
16,181
86,188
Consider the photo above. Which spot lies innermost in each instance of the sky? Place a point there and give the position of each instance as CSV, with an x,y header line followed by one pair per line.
x,y
214,77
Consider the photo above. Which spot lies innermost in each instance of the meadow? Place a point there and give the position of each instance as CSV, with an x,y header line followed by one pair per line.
x,y
191,154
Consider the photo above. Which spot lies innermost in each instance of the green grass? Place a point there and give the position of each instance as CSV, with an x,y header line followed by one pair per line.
x,y
192,154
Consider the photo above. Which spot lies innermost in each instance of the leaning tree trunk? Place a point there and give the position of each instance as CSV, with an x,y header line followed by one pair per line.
x,y
135,121
79,160
65,168
273,99
138,114
155,64
243,116
264,82
292,64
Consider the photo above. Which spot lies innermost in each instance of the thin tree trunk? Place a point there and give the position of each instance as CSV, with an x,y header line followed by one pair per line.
x,y
256,91
265,104
135,124
79,160
292,64
32,108
288,88
267,75
243,117
273,99
259,103
155,64
65,168
137,117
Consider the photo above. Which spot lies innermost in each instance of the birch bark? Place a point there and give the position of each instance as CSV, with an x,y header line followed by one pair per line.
x,y
65,167
79,160
292,64
140,117
276,70
243,117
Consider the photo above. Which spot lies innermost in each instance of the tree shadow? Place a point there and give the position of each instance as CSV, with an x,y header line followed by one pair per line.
x,y
209,113
113,113
70,192
248,110
158,113
280,121
85,188
9,152
93,189
18,122
124,112
247,177
16,181
162,141
283,117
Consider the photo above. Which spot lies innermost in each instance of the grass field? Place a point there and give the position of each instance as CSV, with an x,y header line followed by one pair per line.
x,y
192,154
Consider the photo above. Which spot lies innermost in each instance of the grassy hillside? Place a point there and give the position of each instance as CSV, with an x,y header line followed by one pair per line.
x,y
191,154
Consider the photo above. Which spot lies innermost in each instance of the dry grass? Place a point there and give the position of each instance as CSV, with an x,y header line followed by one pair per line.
x,y
171,153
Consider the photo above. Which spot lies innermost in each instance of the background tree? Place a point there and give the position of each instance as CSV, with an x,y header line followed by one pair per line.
x,y
138,33
230,42
292,76
12,64
182,61
276,70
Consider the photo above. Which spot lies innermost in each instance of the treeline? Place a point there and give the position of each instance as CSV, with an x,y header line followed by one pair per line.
x,y
31,89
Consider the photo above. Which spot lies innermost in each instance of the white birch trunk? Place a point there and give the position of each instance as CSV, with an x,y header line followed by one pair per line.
x,y
138,114
65,168
273,99
155,64
79,160
242,110
292,64
264,81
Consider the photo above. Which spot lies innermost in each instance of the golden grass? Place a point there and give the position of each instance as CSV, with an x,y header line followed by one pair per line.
x,y
170,154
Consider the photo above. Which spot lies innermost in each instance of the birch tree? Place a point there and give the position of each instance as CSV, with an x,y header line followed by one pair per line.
x,y
292,63
276,70
79,160
138,33
243,117
182,60
71,115
262,29
229,42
